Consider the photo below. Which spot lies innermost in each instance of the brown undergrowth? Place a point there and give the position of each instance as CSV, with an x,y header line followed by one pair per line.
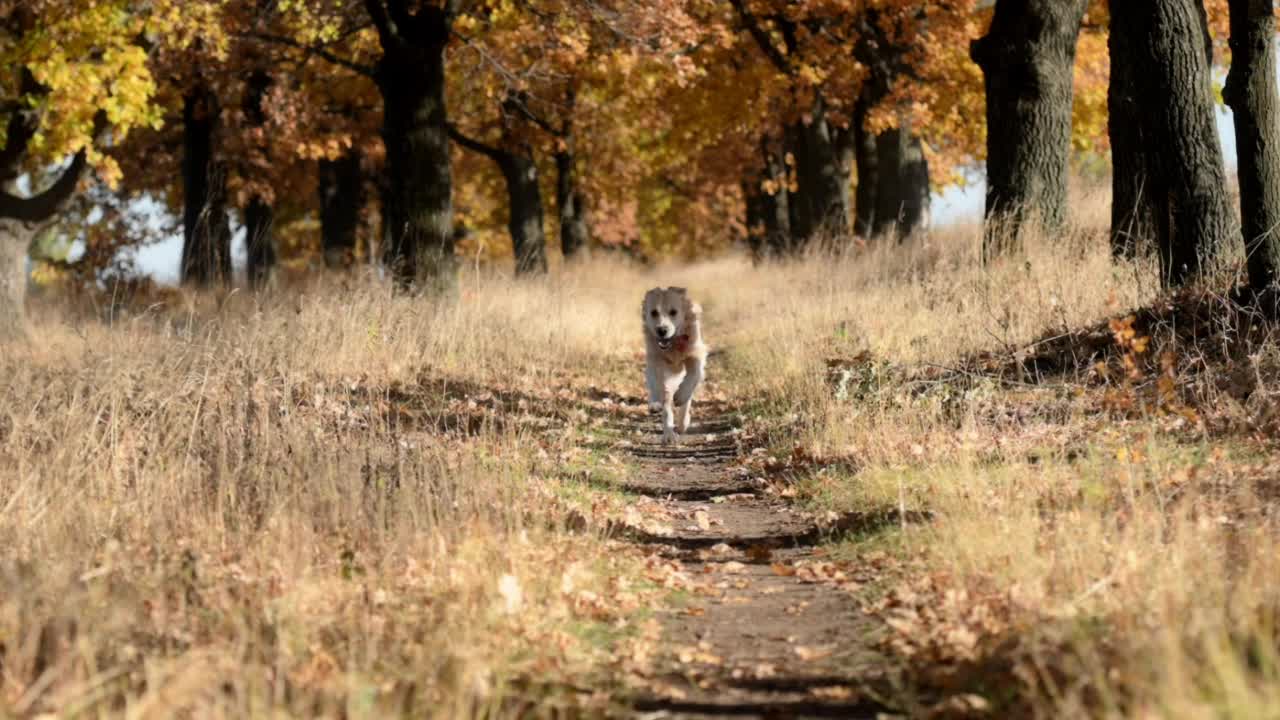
x,y
1100,478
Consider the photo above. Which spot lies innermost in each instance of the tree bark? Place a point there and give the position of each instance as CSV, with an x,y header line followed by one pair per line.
x,y
820,206
1026,59
768,218
1251,93
341,199
1166,43
15,241
22,217
206,247
410,74
575,230
525,216
260,244
524,201
865,171
259,241
902,187
1133,212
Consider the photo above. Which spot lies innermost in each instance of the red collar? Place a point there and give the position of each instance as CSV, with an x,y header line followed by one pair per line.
x,y
681,344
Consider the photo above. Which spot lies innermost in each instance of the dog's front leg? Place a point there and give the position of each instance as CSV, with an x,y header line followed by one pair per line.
x,y
684,394
654,384
668,420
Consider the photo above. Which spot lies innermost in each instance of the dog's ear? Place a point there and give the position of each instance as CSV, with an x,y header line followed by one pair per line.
x,y
678,290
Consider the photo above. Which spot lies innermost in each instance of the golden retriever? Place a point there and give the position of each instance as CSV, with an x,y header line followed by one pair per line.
x,y
675,356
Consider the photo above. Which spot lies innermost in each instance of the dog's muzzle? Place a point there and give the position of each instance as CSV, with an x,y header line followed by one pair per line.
x,y
665,343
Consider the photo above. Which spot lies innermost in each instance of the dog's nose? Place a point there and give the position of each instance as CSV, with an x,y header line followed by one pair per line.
x,y
663,331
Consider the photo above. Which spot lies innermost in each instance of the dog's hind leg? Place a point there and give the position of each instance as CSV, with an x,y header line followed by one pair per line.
x,y
684,394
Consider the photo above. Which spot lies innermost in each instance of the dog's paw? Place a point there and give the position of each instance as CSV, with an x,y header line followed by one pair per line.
x,y
655,406
668,436
683,425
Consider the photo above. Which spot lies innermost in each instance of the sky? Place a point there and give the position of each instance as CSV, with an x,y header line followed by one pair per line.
x,y
954,204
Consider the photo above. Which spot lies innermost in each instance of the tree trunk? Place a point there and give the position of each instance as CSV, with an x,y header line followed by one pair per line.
x,y
575,231
524,200
21,218
1133,213
524,218
766,197
259,242
15,241
410,75
864,161
1026,59
1169,61
820,206
1251,93
902,187
341,199
777,214
206,247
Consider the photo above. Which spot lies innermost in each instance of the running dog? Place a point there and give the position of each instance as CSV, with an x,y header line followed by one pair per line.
x,y
675,356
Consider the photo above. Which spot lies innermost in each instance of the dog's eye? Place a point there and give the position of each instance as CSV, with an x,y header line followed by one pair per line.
x,y
672,312
653,313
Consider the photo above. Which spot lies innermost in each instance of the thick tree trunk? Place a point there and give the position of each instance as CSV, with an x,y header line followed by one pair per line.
x,y
864,162
1027,58
411,78
820,206
524,200
206,248
575,231
902,187
259,242
258,215
15,241
766,197
1168,51
1251,93
22,217
1133,212
341,198
777,213
753,204
524,219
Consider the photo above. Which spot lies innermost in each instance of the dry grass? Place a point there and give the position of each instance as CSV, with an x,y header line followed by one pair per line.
x,y
319,501
1101,544
333,500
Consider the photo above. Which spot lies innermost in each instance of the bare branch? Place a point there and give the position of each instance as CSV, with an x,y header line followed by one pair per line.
x,y
388,31
495,154
319,52
762,38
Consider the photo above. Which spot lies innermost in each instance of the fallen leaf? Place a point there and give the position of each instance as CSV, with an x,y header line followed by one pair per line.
x,y
702,519
809,653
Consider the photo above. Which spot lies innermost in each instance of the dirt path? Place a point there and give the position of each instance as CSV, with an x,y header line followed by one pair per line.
x,y
771,629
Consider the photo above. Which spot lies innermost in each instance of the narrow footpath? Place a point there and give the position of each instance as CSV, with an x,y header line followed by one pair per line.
x,y
772,629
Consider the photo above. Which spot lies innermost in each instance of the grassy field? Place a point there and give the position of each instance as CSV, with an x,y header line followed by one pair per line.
x,y
328,499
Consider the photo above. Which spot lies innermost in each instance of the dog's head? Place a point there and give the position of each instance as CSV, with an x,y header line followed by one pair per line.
x,y
669,315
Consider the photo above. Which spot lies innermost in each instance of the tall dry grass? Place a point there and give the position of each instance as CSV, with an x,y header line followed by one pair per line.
x,y
332,499
1080,560
324,500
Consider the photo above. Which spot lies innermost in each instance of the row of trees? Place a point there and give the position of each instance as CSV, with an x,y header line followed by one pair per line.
x,y
1169,185
389,121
